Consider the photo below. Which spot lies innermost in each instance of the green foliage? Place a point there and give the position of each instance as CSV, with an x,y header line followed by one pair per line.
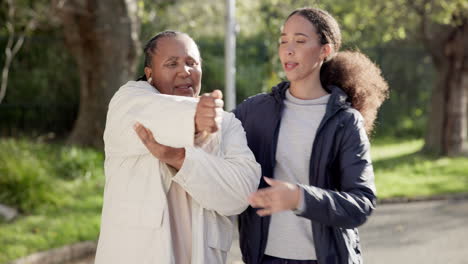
x,y
252,64
24,181
27,235
42,71
59,191
402,171
45,74
43,87
404,114
36,176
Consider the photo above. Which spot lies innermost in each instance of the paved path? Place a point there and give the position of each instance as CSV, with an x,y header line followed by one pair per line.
x,y
422,232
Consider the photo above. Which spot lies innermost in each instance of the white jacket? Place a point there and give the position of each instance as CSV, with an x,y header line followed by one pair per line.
x,y
135,227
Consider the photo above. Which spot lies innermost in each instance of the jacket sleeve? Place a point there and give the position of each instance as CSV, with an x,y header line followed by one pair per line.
x,y
170,119
221,183
354,202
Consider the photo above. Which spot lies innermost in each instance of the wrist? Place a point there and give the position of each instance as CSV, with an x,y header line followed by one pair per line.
x,y
178,160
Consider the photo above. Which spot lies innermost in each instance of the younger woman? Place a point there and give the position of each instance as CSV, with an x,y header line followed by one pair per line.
x,y
310,135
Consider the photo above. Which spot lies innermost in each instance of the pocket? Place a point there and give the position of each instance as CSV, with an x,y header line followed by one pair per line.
x,y
220,231
138,215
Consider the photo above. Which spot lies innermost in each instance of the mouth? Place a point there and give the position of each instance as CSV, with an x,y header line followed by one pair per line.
x,y
187,86
184,89
289,66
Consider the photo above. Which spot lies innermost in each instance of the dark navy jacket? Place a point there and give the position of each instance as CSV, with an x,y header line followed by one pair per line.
x,y
341,194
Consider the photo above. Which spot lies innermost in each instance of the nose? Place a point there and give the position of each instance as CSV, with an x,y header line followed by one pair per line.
x,y
185,71
290,50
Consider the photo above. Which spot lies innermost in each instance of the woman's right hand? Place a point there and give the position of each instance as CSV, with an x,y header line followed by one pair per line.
x,y
209,111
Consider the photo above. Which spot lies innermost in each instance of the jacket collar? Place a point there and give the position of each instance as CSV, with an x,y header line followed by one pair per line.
x,y
338,98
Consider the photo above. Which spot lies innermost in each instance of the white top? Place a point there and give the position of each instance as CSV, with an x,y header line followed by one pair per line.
x,y
290,236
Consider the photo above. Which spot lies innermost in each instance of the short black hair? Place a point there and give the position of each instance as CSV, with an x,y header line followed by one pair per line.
x,y
152,45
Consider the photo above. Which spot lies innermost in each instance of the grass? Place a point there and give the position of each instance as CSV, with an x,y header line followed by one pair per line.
x,y
402,171
58,189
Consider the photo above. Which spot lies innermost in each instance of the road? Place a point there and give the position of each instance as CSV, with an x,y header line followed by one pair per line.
x,y
431,232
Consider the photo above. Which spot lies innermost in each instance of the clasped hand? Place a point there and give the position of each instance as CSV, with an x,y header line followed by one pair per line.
x,y
280,196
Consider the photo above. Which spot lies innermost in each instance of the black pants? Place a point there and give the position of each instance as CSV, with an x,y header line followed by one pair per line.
x,y
274,260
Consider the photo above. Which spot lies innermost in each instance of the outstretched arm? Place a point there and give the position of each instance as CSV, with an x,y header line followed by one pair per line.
x,y
173,120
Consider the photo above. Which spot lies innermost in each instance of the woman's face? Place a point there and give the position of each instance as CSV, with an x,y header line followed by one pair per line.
x,y
176,67
300,51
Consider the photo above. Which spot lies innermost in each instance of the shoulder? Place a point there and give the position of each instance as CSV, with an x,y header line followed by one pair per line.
x,y
256,99
135,88
136,85
262,102
353,124
352,116
274,97
255,102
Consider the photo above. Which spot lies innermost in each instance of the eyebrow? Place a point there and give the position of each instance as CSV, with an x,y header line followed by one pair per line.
x,y
172,58
296,34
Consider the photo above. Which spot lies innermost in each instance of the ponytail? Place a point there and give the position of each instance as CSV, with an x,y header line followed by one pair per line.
x,y
360,79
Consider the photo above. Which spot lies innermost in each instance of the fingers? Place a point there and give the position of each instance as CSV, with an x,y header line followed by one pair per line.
x,y
265,212
142,132
209,112
145,135
279,197
264,199
217,94
219,103
207,101
261,198
271,182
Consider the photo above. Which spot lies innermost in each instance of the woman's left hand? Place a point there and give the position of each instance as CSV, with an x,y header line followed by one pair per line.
x,y
280,196
172,156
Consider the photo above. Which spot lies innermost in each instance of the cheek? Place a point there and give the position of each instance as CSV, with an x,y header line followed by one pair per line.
x,y
314,52
167,75
281,52
162,79
197,75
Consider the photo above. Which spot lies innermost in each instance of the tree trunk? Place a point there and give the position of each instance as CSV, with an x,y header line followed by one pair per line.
x,y
103,37
447,123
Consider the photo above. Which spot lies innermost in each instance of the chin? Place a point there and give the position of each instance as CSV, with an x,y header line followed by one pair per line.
x,y
291,77
185,93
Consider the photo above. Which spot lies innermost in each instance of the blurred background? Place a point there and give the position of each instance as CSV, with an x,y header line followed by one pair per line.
x,y
62,60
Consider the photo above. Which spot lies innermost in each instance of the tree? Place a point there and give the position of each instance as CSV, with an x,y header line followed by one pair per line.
x,y
444,28
103,38
21,20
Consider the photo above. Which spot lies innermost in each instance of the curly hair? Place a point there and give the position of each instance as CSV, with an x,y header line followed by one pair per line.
x,y
360,79
352,71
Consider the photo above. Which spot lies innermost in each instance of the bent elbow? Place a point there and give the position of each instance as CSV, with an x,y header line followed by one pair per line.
x,y
358,219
